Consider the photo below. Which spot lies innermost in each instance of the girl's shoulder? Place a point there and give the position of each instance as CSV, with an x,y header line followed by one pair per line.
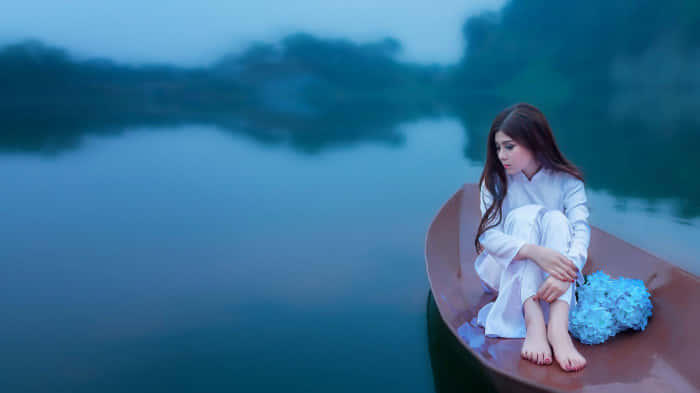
x,y
566,179
571,187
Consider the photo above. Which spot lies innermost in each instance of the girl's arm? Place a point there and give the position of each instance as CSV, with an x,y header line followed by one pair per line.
x,y
576,210
505,248
501,246
549,260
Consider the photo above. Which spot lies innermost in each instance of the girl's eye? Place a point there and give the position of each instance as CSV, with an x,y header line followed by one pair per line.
x,y
510,147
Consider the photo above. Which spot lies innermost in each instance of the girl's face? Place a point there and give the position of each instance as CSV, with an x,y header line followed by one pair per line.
x,y
513,156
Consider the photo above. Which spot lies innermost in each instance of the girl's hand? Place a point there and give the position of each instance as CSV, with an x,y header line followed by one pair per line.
x,y
552,262
551,289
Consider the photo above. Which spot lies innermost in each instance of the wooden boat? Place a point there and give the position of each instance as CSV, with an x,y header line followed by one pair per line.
x,y
665,357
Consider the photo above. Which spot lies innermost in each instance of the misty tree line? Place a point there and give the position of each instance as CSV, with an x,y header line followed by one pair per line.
x,y
574,45
623,69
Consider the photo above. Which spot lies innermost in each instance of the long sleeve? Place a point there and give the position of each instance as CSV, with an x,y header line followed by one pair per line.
x,y
499,245
576,210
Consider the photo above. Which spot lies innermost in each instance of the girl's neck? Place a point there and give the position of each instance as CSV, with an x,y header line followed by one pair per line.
x,y
530,172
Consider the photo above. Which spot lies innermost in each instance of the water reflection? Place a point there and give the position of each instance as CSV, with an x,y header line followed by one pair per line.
x,y
628,158
622,125
187,259
298,94
206,262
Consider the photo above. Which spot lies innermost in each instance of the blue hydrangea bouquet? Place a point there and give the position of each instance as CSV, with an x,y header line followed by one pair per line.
x,y
606,307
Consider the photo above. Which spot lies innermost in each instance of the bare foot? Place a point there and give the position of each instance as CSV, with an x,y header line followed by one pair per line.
x,y
535,347
565,353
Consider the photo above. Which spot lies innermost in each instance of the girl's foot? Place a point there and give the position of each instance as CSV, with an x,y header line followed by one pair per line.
x,y
564,351
567,356
535,348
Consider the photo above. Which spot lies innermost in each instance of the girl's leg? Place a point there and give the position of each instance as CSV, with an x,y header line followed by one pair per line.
x,y
523,223
558,335
555,228
536,346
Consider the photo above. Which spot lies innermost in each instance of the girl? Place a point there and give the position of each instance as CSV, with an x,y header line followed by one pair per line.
x,y
533,237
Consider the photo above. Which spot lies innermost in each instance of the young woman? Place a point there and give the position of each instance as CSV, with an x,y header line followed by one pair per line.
x,y
533,237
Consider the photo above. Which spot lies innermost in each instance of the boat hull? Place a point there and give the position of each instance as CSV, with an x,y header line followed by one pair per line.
x,y
662,358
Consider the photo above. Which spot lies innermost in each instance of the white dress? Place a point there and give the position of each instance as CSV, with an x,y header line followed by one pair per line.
x,y
549,210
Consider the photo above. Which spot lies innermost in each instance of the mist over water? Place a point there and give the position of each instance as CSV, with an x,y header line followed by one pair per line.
x,y
256,220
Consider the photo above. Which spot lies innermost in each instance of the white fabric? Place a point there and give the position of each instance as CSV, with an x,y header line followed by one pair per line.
x,y
549,210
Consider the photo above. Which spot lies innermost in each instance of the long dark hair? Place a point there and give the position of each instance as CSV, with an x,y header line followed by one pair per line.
x,y
527,126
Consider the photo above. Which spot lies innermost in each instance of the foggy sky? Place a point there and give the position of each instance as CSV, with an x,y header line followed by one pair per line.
x,y
195,33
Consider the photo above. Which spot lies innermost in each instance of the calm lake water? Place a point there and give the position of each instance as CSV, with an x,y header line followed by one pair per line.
x,y
191,258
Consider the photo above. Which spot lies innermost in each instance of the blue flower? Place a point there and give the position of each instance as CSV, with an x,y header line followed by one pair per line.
x,y
592,324
606,307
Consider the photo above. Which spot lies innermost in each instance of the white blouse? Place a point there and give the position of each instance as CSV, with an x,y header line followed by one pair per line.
x,y
553,190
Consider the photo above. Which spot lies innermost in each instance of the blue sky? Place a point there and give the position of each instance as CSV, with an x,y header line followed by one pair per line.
x,y
190,33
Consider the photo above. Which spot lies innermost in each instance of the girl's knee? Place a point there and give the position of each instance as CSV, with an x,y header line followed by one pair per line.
x,y
522,218
556,220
